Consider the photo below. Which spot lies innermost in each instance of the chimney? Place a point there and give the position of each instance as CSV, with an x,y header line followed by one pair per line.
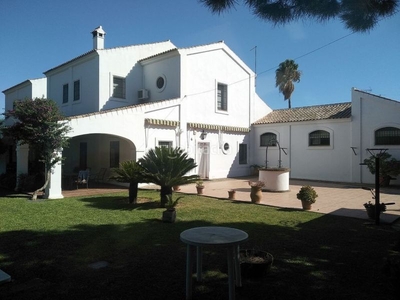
x,y
98,38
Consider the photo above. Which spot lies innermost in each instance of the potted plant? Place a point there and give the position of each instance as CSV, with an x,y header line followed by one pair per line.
x,y
308,196
255,263
388,167
199,187
169,215
256,191
231,194
371,209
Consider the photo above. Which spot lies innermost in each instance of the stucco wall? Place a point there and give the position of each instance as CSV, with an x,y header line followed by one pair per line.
x,y
370,113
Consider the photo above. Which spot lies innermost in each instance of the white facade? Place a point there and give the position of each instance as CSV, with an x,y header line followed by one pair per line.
x,y
125,101
169,96
350,137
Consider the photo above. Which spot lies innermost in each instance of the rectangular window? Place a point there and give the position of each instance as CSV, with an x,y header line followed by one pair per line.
x,y
65,93
114,154
118,87
165,144
77,90
222,97
242,154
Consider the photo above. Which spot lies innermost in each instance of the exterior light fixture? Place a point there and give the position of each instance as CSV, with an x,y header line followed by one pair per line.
x,y
203,135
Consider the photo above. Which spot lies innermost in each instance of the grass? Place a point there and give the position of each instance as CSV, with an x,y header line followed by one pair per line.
x,y
47,248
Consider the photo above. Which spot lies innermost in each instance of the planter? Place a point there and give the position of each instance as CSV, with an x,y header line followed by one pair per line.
x,y
275,179
256,194
306,205
231,195
255,263
200,190
169,215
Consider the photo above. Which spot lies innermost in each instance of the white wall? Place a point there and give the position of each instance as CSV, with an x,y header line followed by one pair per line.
x,y
123,62
371,112
87,71
169,68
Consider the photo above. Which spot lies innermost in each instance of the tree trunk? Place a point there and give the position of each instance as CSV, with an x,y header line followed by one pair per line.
x,y
35,193
290,103
133,192
165,190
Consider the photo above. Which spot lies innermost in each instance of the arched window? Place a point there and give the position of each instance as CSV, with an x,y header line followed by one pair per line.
x,y
319,138
268,139
387,136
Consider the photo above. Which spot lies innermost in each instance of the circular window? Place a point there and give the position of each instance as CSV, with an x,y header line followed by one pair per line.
x,y
225,148
160,83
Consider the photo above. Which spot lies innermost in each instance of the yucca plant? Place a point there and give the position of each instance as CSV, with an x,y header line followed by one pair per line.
x,y
167,167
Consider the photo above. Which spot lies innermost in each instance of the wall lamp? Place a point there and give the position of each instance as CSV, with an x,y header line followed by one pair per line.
x,y
203,135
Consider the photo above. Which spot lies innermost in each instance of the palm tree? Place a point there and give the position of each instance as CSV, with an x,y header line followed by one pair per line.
x,y
167,167
131,172
286,74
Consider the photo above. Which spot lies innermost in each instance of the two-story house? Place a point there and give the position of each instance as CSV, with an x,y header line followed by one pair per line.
x,y
124,101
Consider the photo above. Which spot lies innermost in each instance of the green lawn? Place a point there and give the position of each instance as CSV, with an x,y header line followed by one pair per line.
x,y
47,248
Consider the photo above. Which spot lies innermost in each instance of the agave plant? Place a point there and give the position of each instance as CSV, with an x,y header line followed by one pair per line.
x,y
131,172
167,167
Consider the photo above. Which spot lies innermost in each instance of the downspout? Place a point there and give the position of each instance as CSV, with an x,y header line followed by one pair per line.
x,y
360,133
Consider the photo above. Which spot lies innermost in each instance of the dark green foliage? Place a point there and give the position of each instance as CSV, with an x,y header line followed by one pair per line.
x,y
388,165
285,76
130,172
308,194
359,16
167,167
38,123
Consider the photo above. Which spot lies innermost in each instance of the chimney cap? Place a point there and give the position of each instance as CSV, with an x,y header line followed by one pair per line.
x,y
99,30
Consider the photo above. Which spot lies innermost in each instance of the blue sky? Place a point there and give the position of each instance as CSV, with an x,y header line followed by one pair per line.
x,y
38,35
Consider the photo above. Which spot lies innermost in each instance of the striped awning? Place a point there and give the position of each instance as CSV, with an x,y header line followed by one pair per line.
x,y
162,122
217,127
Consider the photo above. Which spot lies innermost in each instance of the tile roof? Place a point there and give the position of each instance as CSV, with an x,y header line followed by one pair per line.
x,y
308,113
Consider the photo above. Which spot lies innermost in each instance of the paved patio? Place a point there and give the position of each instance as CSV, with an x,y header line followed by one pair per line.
x,y
333,198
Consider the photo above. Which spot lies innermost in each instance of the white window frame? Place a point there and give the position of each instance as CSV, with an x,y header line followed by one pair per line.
x,y
65,85
218,110
324,147
112,87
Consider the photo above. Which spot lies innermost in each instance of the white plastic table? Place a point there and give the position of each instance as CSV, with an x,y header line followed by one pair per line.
x,y
217,236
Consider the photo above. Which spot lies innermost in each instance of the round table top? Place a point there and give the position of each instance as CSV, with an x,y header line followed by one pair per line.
x,y
213,235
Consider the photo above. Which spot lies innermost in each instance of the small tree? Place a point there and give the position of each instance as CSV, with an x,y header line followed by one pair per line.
x,y
39,123
388,167
167,167
131,172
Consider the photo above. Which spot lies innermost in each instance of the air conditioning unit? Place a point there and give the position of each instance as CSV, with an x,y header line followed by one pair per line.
x,y
143,94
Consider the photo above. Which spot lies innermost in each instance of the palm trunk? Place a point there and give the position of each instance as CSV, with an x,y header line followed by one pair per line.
x,y
164,192
35,193
133,192
290,103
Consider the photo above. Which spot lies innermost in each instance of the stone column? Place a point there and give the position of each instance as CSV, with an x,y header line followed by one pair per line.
x,y
53,189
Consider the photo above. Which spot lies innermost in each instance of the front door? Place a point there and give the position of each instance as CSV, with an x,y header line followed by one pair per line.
x,y
203,159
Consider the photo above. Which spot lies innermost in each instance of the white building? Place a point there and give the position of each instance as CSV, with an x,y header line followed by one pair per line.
x,y
329,142
124,101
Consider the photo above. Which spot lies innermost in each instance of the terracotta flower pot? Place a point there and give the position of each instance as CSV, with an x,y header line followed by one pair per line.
x,y
200,190
231,195
256,194
306,205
